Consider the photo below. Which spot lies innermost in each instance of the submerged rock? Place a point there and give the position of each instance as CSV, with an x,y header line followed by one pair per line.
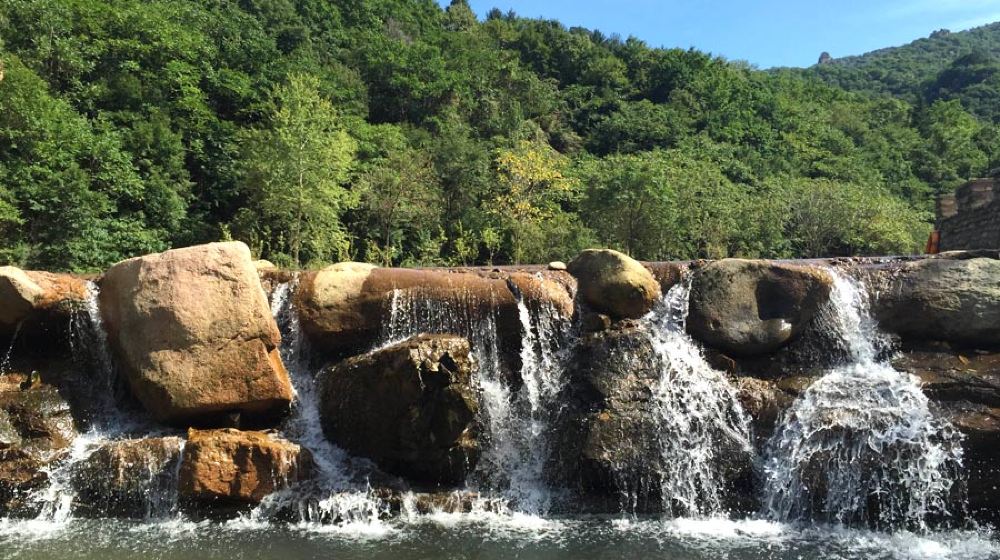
x,y
943,299
749,307
130,478
615,284
230,469
409,407
195,335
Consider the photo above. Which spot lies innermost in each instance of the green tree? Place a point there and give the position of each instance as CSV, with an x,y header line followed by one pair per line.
x,y
295,175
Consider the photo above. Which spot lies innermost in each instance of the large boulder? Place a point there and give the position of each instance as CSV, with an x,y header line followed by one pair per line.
x,y
129,478
943,299
194,334
613,283
409,407
346,308
232,469
750,307
18,294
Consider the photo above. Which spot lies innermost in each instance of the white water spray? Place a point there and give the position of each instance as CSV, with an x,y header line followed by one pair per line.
x,y
701,425
861,445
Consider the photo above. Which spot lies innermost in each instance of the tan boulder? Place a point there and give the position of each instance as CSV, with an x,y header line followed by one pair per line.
x,y
194,334
18,294
615,284
409,407
345,308
232,467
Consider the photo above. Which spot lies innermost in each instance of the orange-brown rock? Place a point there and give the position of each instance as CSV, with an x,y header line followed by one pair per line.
x,y
232,467
194,334
345,307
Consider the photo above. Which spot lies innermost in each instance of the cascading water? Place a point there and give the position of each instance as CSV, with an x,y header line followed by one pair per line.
x,y
516,419
335,494
861,445
104,422
701,425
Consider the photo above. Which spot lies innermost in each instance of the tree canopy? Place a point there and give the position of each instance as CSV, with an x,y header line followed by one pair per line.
x,y
402,133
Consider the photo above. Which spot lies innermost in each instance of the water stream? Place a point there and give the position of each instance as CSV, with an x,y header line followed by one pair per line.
x,y
861,446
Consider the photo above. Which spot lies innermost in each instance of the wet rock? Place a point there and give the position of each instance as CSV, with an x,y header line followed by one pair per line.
x,y
232,469
980,427
36,427
130,479
764,402
615,284
195,336
607,447
34,417
409,407
748,308
943,299
345,308
21,473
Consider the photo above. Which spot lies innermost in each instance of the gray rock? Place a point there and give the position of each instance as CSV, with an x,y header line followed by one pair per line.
x,y
749,307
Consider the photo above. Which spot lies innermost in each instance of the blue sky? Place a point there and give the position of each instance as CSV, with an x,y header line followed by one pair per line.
x,y
764,32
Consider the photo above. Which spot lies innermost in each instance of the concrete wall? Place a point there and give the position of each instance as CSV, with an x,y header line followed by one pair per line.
x,y
970,218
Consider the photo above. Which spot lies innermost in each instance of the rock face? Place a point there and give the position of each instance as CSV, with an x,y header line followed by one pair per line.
x,y
18,294
748,308
131,478
36,427
194,334
409,407
232,468
607,445
345,308
614,284
944,299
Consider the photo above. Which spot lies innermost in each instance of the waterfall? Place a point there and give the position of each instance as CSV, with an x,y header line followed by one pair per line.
x,y
861,444
333,495
516,419
701,425
5,362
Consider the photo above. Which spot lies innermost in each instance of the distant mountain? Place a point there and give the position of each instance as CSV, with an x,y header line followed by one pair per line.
x,y
963,65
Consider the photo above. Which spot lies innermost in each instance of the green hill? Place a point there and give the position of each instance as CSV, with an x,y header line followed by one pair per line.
x,y
963,66
398,132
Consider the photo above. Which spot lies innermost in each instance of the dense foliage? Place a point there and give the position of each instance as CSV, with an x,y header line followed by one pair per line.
x,y
963,66
398,132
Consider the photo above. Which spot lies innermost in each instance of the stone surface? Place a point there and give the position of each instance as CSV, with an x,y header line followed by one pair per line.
x,y
943,299
345,308
194,334
233,468
18,294
607,437
747,307
409,407
36,427
615,284
129,478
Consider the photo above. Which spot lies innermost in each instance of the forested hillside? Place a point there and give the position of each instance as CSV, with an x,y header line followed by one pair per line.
x,y
397,132
962,66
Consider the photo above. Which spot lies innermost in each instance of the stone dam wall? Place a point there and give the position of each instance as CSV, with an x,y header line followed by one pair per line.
x,y
970,217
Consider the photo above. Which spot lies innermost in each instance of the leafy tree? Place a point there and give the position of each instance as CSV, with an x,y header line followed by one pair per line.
x,y
296,171
531,185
